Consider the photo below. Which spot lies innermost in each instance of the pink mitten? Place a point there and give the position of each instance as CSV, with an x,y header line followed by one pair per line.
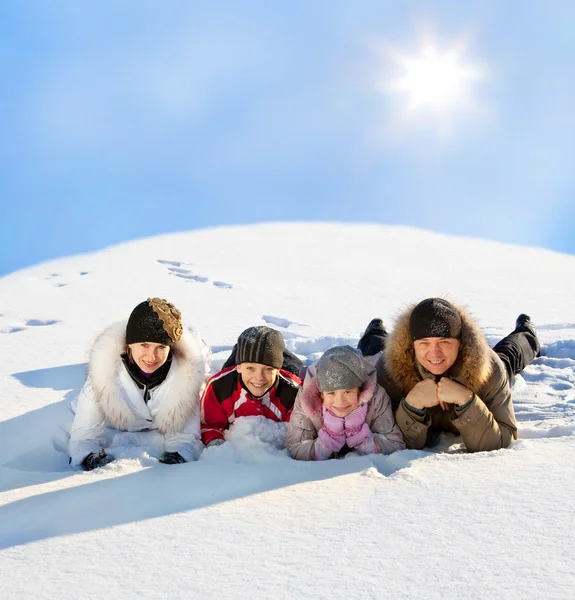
x,y
356,429
332,434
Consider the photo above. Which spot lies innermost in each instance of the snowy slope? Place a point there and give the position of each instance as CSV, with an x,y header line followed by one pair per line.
x,y
246,521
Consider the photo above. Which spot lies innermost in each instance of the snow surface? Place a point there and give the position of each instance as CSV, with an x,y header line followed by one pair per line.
x,y
246,521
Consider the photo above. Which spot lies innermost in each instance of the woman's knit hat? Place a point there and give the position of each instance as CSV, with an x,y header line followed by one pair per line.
x,y
435,317
340,368
155,320
262,345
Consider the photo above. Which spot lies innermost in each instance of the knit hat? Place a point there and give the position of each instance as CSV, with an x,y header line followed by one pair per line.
x,y
262,345
435,317
155,320
340,368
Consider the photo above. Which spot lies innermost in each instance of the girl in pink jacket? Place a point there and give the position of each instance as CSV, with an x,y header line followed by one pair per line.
x,y
341,408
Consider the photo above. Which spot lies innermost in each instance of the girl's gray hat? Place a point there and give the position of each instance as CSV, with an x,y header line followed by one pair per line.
x,y
340,368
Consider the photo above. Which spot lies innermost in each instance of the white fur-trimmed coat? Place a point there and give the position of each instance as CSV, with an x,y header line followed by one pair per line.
x,y
110,397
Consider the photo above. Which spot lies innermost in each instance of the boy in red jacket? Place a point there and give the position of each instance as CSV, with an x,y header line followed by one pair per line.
x,y
256,385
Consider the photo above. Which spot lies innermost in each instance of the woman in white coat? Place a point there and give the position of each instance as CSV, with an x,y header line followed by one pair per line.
x,y
145,374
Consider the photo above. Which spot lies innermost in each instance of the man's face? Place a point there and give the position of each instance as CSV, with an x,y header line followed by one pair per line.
x,y
257,378
436,354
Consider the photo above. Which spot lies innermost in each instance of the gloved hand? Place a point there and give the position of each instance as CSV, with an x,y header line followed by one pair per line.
x,y
172,458
356,429
216,442
332,433
94,460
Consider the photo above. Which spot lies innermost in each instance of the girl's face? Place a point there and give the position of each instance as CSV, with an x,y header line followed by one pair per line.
x,y
149,356
341,402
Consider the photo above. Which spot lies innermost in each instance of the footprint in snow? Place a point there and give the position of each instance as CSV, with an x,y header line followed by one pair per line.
x,y
181,270
60,284
172,263
40,322
280,322
30,323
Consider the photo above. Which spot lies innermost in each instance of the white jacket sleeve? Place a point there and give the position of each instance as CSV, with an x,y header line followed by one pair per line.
x,y
88,429
188,443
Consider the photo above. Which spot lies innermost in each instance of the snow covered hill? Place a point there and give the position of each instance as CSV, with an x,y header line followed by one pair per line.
x,y
246,521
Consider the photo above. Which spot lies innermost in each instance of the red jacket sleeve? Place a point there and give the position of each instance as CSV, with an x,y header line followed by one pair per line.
x,y
214,420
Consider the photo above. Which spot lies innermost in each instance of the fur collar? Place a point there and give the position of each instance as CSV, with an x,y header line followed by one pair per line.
x,y
188,373
311,401
474,362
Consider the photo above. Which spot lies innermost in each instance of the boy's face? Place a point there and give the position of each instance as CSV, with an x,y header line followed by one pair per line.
x,y
257,378
341,402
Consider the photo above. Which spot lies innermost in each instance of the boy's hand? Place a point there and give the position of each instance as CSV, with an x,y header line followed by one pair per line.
x,y
216,442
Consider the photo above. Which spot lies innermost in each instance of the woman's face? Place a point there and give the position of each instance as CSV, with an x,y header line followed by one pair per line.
x,y
341,402
149,356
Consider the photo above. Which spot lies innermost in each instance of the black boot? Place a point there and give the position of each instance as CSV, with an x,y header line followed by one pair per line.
x,y
524,323
373,339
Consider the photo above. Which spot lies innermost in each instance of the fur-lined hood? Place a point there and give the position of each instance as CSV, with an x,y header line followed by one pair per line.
x,y
311,401
473,366
187,376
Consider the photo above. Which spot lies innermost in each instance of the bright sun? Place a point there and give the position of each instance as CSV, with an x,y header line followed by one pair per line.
x,y
435,81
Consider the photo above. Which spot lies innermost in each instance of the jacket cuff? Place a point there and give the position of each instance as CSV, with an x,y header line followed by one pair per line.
x,y
460,409
321,451
210,434
411,424
468,415
416,411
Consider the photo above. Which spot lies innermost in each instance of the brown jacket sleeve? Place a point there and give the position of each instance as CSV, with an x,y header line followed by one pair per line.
x,y
488,423
413,427
386,433
301,434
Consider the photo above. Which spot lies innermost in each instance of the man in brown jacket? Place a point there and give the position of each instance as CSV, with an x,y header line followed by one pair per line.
x,y
442,375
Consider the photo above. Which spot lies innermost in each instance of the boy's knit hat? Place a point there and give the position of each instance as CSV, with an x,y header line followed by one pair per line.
x,y
262,345
340,368
155,320
435,317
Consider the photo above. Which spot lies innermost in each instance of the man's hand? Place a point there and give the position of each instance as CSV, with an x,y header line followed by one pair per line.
x,y
423,395
451,392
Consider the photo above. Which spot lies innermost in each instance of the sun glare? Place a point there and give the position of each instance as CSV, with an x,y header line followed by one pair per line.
x,y
435,82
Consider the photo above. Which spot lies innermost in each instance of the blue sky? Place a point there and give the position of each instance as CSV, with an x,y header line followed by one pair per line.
x,y
123,120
